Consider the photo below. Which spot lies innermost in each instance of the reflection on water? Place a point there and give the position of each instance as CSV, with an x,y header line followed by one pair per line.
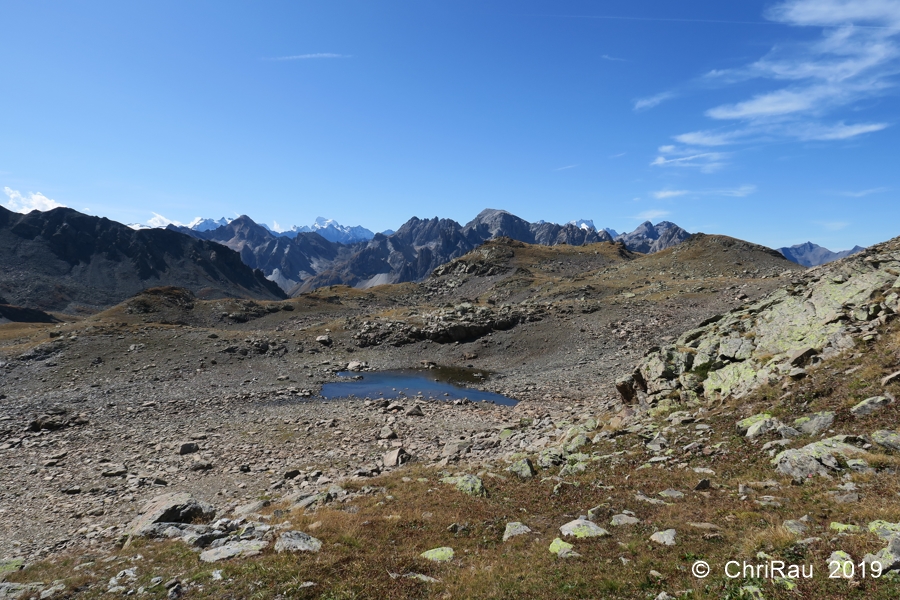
x,y
433,385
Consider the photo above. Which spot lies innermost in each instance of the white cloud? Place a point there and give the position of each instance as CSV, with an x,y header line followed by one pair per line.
x,y
645,103
832,225
863,193
311,56
738,192
25,203
649,215
707,162
612,58
567,167
839,131
160,221
662,194
855,58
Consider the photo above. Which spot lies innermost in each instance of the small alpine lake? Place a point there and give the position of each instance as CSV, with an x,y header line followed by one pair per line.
x,y
432,384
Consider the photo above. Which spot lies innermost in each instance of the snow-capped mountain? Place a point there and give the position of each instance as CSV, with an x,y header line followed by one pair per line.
x,y
586,224
201,224
332,231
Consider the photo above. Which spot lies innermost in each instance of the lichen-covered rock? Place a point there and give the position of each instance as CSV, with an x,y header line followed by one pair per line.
x,y
524,469
744,425
515,528
550,457
563,549
760,343
443,554
888,558
885,529
815,423
820,458
576,443
664,538
467,484
581,528
619,520
869,406
889,440
297,541
239,549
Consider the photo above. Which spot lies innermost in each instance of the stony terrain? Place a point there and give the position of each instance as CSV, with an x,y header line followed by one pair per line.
x,y
650,432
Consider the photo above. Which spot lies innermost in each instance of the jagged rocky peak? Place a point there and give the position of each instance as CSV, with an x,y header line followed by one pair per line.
x,y
649,238
812,255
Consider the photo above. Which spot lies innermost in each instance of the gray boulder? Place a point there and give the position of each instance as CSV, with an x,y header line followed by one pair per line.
x,y
175,507
297,541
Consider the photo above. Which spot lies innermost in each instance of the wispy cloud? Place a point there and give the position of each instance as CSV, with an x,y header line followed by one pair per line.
x,y
856,58
832,225
567,167
619,155
662,194
736,192
612,58
650,102
706,162
649,215
864,193
25,203
310,56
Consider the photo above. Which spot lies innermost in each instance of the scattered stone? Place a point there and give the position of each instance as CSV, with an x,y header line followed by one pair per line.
x,y
581,528
325,340
515,528
795,526
870,405
387,433
114,470
442,554
619,520
703,484
175,507
890,378
523,468
819,458
188,448
471,485
415,411
889,440
563,549
297,541
664,538
670,493
239,549
744,424
396,457
815,423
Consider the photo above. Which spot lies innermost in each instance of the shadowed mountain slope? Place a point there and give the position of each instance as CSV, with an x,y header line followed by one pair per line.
x,y
67,261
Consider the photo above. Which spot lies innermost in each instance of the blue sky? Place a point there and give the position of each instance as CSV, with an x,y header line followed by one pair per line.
x,y
775,122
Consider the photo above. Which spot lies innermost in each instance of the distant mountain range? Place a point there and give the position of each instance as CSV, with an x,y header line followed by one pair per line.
x,y
812,255
309,260
63,260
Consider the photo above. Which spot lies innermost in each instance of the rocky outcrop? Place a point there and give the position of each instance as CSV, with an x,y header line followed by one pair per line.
x,y
818,314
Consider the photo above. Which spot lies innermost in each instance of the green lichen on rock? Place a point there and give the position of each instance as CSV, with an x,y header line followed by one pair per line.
x,y
523,468
744,424
581,528
844,528
468,484
884,529
562,549
442,554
